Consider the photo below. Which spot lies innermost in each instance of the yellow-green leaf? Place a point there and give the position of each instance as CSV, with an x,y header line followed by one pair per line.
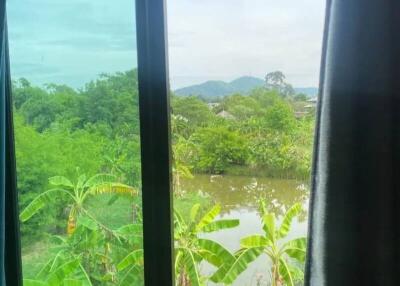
x,y
193,212
61,181
287,220
133,258
113,188
254,241
38,203
296,248
57,277
219,254
99,179
208,217
245,256
269,226
220,225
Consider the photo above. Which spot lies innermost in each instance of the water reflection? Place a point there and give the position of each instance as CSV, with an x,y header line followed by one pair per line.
x,y
238,197
240,193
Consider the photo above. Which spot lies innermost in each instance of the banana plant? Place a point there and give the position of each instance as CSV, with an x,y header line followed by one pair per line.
x,y
77,194
73,260
59,275
191,248
281,252
131,268
82,259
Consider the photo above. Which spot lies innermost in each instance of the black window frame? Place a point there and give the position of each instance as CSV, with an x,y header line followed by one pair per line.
x,y
154,108
9,208
155,150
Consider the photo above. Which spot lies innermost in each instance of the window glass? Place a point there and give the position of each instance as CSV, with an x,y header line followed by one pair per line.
x,y
244,80
75,96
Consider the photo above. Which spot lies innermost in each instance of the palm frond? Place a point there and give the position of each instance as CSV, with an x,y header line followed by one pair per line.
x,y
113,188
39,202
208,218
220,225
287,220
99,179
61,181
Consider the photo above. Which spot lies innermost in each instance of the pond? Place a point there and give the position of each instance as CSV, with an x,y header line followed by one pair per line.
x,y
238,197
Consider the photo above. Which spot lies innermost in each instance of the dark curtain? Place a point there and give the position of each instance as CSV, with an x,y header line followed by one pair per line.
x,y
355,206
10,271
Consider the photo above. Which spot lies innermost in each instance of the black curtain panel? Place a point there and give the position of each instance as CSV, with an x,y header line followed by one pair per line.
x,y
10,266
355,206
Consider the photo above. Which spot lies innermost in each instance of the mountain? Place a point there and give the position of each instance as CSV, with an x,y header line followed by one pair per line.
x,y
309,91
245,84
213,89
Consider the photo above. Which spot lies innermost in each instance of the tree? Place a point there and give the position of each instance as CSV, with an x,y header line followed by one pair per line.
x,y
280,117
270,243
276,81
240,106
300,97
218,148
191,249
43,155
112,100
194,111
265,97
76,195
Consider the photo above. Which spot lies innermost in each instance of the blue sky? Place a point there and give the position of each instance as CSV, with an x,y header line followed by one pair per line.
x,y
74,41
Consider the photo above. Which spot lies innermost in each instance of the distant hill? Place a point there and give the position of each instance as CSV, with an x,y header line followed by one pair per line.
x,y
216,88
213,88
309,91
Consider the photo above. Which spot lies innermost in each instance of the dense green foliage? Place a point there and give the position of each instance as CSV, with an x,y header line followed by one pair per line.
x,y
62,133
256,132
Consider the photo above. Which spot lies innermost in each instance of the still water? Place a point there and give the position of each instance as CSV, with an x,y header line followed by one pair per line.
x,y
238,197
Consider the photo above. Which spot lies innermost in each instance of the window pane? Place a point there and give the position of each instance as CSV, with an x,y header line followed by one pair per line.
x,y
244,79
77,140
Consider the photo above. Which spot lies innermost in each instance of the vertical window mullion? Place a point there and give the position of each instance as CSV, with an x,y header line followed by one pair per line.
x,y
155,142
10,252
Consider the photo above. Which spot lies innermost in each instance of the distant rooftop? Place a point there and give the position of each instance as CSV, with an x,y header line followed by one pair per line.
x,y
225,114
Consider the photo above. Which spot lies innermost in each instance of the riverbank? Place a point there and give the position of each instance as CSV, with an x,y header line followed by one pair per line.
x,y
265,172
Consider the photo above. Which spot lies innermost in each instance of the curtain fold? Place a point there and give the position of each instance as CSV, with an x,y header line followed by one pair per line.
x,y
355,202
10,259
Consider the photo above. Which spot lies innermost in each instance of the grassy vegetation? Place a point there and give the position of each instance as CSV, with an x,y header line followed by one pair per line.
x,y
62,133
36,254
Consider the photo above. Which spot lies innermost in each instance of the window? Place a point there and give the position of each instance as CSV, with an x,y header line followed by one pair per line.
x,y
94,173
75,93
244,81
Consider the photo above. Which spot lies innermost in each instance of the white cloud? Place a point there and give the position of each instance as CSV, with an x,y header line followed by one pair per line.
x,y
224,39
73,41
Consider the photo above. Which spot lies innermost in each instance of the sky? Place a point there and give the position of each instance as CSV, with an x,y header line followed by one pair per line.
x,y
72,42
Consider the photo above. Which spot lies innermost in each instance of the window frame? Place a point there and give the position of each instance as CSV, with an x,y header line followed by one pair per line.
x,y
155,149
154,109
11,248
